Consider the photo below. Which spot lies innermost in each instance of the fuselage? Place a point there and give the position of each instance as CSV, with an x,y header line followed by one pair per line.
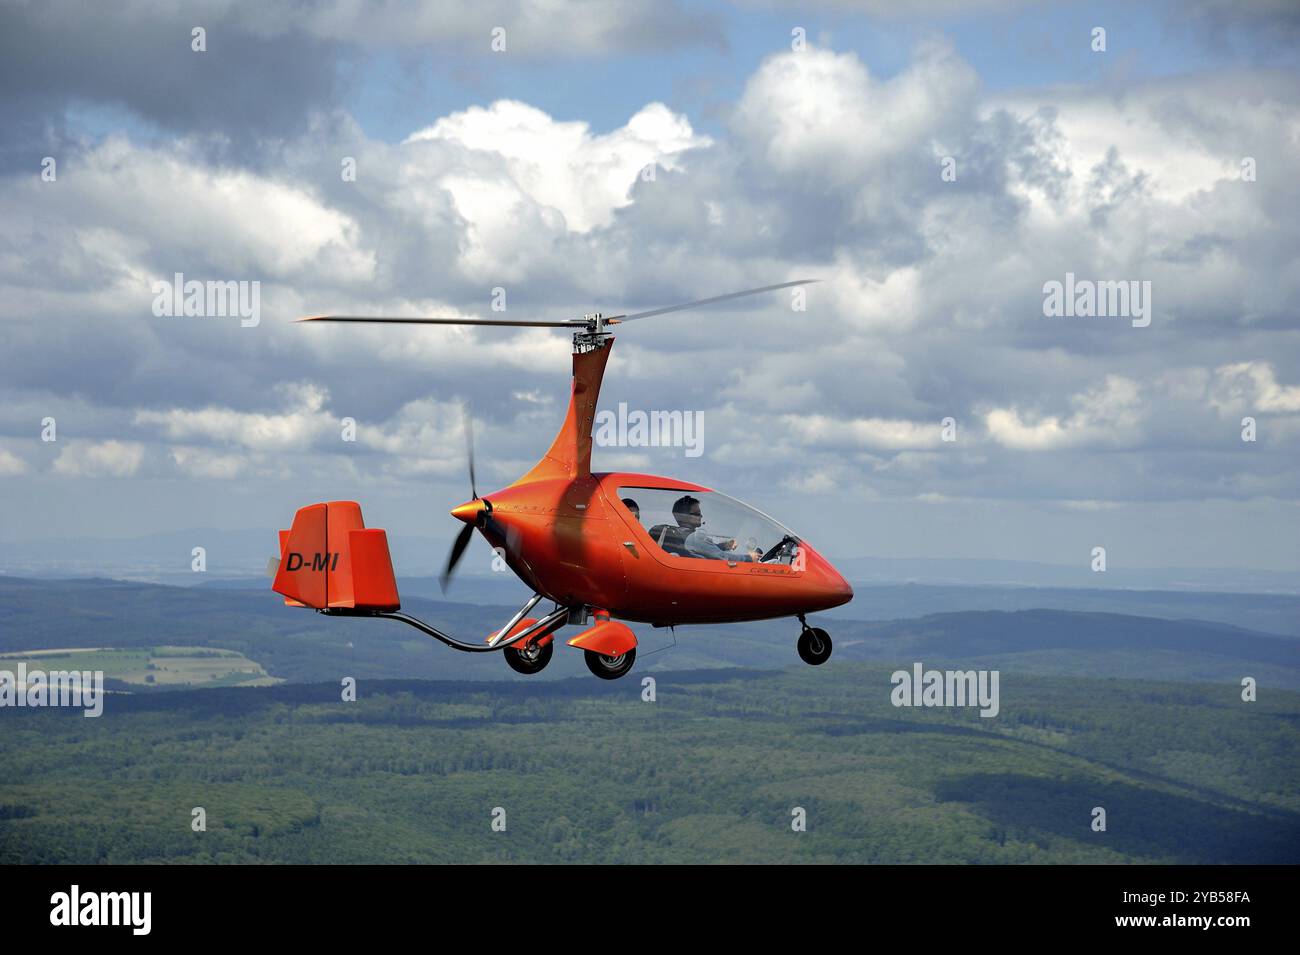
x,y
568,534
575,542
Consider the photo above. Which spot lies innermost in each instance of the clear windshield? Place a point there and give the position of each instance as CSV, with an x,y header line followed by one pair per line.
x,y
706,524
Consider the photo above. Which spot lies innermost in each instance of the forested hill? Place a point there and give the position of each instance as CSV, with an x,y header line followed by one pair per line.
x,y
711,770
298,645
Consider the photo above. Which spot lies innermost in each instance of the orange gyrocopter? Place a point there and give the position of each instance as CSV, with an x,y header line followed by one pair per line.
x,y
605,547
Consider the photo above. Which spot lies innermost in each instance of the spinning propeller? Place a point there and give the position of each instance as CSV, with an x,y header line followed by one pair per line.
x,y
483,518
463,537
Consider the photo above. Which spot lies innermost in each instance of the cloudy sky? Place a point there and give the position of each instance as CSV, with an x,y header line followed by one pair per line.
x,y
934,169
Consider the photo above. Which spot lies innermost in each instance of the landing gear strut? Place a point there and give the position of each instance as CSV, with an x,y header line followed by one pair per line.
x,y
814,644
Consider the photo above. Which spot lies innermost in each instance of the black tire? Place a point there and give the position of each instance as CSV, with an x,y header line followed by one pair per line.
x,y
814,646
531,659
609,668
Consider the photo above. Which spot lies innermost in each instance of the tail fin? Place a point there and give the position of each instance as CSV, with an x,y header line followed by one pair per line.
x,y
329,559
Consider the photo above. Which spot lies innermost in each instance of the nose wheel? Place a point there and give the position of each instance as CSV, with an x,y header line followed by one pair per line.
x,y
609,667
814,645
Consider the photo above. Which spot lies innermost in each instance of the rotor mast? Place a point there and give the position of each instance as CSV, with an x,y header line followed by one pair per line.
x,y
569,456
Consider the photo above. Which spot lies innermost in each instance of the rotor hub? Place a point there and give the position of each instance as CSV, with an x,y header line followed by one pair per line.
x,y
593,334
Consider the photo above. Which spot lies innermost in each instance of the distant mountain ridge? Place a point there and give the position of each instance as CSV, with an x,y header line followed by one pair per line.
x,y
301,646
166,557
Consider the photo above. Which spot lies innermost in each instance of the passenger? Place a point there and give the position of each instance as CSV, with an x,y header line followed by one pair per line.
x,y
634,507
689,518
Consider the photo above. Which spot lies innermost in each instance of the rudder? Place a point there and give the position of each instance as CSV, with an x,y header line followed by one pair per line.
x,y
329,560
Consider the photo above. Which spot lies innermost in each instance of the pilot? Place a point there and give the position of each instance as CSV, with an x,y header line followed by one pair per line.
x,y
690,519
632,506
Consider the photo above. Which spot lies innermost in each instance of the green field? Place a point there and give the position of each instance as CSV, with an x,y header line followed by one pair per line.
x,y
710,772
149,666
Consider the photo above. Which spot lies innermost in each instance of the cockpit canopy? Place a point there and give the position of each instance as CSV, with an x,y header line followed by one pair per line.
x,y
708,525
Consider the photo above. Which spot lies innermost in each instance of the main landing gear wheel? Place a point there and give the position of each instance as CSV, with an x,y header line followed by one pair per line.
x,y
814,646
609,668
530,659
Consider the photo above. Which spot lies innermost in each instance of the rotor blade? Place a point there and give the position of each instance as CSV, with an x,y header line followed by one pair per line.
x,y
457,551
382,320
707,301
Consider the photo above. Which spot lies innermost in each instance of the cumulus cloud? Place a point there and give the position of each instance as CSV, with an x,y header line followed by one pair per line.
x,y
302,422
821,112
167,206
824,166
1252,386
205,463
1106,415
1159,182
11,464
116,459
560,165
876,434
